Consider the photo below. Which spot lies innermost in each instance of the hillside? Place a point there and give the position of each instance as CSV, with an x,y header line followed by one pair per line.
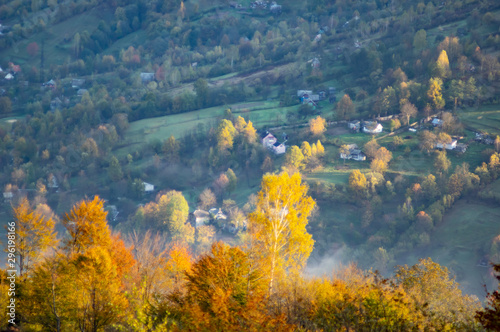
x,y
173,112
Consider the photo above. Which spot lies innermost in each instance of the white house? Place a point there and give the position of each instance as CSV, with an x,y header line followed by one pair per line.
x,y
201,217
279,148
148,187
447,146
9,76
373,128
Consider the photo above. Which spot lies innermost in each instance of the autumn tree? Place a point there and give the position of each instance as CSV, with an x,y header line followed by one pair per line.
x,y
371,148
295,158
32,49
223,293
427,140
345,108
220,185
443,65
345,151
434,92
98,290
358,183
278,225
489,317
408,110
437,295
170,149
317,126
207,199
86,226
35,234
441,162
173,211
306,150
225,135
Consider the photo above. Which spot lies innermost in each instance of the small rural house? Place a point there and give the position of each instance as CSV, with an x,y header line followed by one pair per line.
x,y
447,146
268,139
354,125
461,147
148,187
372,127
300,93
8,195
9,76
437,122
50,84
279,148
354,153
217,214
77,83
147,77
201,217
81,92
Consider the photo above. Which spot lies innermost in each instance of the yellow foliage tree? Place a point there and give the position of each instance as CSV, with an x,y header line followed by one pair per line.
x,y
434,92
317,126
443,65
278,224
35,234
86,225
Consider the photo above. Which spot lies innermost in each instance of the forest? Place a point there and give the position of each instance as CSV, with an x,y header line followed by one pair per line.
x,y
250,165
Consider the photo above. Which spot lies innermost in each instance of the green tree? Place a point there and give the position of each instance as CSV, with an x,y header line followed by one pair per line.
x,y
202,91
115,170
278,225
232,180
420,40
5,105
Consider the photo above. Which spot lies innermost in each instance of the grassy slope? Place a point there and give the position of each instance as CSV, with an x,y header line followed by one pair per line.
x,y
57,51
143,131
457,242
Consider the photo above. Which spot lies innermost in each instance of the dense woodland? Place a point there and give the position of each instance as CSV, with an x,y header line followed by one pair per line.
x,y
100,253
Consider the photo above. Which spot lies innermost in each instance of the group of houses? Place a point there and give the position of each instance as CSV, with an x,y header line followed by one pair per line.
x,y
216,216
369,127
270,142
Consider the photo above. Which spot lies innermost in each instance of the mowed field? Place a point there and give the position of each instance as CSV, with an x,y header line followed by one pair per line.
x,y
485,119
262,113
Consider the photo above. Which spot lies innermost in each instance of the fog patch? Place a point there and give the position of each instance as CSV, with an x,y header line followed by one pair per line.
x,y
324,265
